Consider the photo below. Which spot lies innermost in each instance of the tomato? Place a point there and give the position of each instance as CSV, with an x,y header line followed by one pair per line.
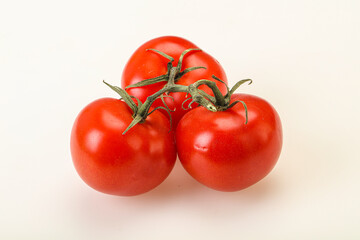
x,y
117,164
147,64
222,152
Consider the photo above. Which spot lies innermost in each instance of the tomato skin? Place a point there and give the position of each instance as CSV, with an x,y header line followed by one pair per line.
x,y
146,64
118,164
223,153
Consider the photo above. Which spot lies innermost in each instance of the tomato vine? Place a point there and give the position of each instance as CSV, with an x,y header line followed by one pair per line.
x,y
218,102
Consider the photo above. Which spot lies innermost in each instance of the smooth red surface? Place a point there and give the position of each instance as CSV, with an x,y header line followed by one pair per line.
x,y
223,153
118,164
147,64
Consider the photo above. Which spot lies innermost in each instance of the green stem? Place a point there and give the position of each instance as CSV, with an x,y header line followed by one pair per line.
x,y
169,87
217,103
172,75
192,89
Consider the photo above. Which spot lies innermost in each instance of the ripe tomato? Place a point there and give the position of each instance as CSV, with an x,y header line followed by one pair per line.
x,y
147,64
219,150
118,164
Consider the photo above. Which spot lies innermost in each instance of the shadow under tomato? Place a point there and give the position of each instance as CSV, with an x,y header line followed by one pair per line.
x,y
178,183
260,191
181,184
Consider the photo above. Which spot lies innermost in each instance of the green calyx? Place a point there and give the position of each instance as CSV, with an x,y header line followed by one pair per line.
x,y
219,101
136,108
225,104
176,70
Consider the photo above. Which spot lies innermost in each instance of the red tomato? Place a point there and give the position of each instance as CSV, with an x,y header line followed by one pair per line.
x,y
219,150
118,164
147,64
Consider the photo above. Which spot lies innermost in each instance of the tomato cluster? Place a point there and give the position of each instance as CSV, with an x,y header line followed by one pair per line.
x,y
126,147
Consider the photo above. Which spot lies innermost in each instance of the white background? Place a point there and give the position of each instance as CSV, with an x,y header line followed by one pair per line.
x,y
303,57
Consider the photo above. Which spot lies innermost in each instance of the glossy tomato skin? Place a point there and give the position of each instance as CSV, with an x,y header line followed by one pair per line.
x,y
147,64
223,153
118,164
